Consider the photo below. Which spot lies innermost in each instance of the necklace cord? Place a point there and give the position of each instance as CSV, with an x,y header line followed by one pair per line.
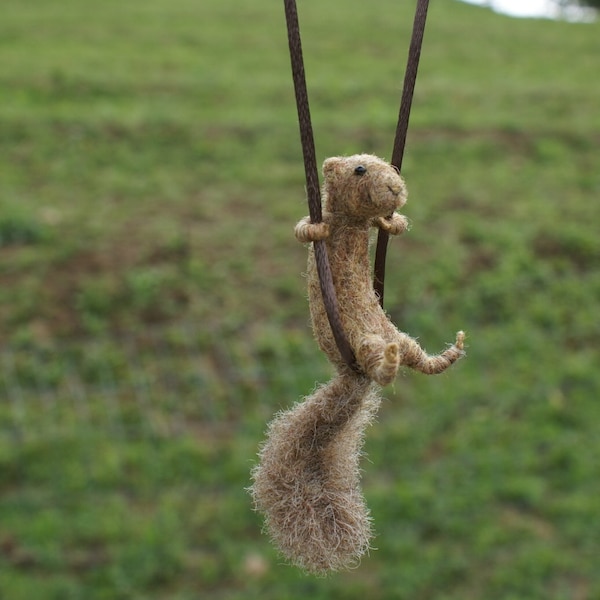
x,y
311,173
312,185
410,78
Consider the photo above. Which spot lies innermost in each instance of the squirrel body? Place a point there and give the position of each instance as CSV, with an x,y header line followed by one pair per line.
x,y
307,482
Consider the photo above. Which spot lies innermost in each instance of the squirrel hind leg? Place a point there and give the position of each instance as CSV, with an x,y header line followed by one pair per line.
x,y
415,357
379,359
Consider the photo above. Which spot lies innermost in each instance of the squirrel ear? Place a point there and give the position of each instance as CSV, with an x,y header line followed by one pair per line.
x,y
330,164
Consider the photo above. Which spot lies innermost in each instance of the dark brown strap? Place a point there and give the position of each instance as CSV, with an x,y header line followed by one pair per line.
x,y
410,78
312,184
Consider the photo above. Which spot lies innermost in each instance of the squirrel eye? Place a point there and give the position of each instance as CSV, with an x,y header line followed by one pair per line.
x,y
360,170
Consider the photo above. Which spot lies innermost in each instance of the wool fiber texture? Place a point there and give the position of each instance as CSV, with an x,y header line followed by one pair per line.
x,y
307,481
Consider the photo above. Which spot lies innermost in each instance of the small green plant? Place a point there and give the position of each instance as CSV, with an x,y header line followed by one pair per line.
x,y
18,229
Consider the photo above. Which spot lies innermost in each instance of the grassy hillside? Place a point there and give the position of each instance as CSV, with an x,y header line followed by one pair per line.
x,y
153,313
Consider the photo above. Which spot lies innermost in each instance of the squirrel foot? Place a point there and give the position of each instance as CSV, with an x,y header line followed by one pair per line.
x,y
379,359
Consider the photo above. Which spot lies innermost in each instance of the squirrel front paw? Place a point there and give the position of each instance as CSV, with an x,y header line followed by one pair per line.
x,y
394,225
305,231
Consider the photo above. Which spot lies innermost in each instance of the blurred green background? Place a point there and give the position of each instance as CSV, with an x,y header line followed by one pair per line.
x,y
153,313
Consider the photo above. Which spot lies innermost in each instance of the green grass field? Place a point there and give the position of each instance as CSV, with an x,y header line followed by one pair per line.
x,y
153,313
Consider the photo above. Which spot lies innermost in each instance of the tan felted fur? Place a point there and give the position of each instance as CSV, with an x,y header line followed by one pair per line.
x,y
307,482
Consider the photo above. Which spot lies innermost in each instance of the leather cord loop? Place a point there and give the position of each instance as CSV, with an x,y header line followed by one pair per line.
x,y
312,176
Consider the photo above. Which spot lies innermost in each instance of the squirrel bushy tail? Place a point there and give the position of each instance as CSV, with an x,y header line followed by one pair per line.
x,y
307,483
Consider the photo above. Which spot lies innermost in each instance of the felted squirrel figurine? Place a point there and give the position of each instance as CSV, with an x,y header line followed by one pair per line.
x,y
307,482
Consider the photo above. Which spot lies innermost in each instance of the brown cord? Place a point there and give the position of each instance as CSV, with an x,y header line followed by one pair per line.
x,y
410,77
312,184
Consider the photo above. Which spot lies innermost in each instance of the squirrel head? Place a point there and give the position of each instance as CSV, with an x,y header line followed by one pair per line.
x,y
362,187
